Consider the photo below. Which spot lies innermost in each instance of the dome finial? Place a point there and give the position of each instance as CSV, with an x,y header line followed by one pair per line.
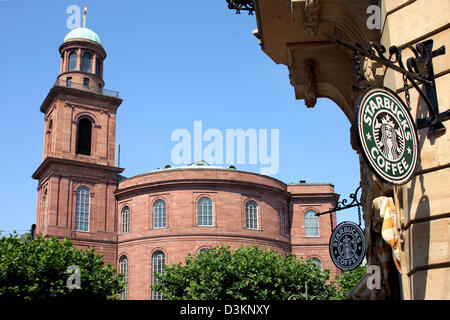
x,y
84,16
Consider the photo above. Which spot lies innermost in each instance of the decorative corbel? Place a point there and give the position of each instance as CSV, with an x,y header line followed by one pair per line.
x,y
311,88
312,16
306,13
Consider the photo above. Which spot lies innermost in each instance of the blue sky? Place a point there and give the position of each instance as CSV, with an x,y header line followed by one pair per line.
x,y
173,62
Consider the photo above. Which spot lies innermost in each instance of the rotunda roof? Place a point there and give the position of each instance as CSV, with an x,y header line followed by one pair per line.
x,y
83,33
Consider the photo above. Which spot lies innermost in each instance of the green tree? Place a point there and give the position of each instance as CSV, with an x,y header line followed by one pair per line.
x,y
246,273
346,281
37,269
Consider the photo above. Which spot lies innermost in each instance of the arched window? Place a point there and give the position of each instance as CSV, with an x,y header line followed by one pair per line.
x,y
82,209
283,222
123,269
251,215
73,61
158,261
159,214
316,261
125,227
87,62
201,252
205,212
97,66
84,137
311,224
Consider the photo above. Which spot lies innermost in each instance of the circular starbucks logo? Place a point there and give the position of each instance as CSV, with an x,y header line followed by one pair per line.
x,y
347,246
387,135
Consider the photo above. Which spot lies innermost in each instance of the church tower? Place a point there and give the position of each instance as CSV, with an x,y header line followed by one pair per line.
x,y
78,175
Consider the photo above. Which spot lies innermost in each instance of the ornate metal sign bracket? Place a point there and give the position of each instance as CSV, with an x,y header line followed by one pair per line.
x,y
347,244
342,205
419,71
238,5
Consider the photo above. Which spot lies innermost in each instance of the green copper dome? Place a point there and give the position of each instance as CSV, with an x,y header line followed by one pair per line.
x,y
83,33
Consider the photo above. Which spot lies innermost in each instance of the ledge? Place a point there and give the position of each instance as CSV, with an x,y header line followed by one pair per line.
x,y
37,174
58,89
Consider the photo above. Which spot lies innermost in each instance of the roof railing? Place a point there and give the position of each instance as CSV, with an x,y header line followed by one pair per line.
x,y
70,84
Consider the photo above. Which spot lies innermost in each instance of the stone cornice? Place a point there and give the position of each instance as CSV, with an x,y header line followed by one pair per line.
x,y
315,196
207,235
84,44
200,181
57,90
49,160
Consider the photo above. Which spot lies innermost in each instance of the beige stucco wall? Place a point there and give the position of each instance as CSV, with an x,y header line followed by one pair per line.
x,y
424,202
291,32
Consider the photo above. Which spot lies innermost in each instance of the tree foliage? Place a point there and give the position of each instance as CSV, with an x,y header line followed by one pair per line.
x,y
37,269
347,281
246,273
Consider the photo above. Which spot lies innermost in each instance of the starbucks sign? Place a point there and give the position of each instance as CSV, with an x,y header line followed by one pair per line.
x,y
387,135
347,246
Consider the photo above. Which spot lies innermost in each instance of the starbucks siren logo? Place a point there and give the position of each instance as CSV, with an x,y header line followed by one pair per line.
x,y
389,138
347,246
387,135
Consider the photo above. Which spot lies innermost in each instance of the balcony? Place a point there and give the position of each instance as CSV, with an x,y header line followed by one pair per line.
x,y
80,86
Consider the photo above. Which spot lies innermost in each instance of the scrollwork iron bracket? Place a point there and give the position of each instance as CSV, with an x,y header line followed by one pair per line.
x,y
342,205
419,71
245,5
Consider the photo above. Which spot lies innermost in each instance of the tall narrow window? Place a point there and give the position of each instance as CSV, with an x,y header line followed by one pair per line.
x,y
125,220
205,212
123,269
73,61
311,224
68,81
49,137
87,62
283,222
159,214
84,137
45,207
82,209
251,215
97,66
158,261
86,82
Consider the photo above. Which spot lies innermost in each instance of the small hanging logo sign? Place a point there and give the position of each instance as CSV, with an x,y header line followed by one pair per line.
x,y
387,135
347,246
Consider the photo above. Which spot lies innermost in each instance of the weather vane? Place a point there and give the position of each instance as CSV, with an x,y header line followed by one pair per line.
x,y
84,16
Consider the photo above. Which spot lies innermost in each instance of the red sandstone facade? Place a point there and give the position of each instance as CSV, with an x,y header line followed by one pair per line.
x,y
81,195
